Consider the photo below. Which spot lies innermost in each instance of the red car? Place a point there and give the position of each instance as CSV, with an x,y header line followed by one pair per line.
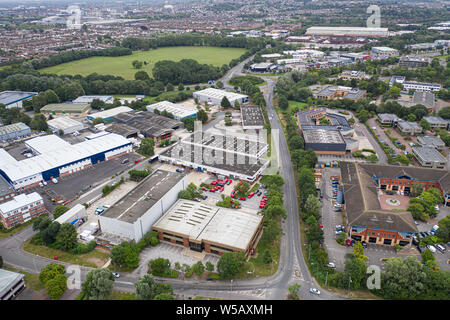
x,y
251,195
220,189
261,206
320,226
204,189
214,182
264,197
229,181
242,198
212,190
348,242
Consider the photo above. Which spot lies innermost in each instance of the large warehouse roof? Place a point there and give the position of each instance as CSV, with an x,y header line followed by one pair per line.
x,y
109,113
178,110
15,127
62,155
219,94
201,222
66,108
63,123
348,31
9,97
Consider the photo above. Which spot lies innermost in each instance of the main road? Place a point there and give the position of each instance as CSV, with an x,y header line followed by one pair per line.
x,y
292,266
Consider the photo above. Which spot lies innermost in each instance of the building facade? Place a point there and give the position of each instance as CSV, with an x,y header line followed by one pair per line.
x,y
22,208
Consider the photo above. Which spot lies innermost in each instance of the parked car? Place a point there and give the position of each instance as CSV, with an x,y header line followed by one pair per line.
x,y
314,290
204,197
431,248
242,198
440,247
180,170
364,244
331,265
116,275
125,161
54,180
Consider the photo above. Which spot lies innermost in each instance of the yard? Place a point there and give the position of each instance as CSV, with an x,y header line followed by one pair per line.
x,y
121,66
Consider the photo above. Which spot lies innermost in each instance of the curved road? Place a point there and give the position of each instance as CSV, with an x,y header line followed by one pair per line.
x,y
292,267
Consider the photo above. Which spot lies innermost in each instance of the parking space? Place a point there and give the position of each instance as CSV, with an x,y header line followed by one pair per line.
x,y
71,186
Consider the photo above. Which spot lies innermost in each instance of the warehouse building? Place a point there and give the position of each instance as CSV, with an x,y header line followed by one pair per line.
x,y
14,131
215,96
366,219
122,129
214,153
179,111
73,109
215,230
347,32
431,141
348,75
252,118
311,118
109,114
132,216
13,99
383,52
412,63
11,284
56,157
409,127
324,141
438,122
429,157
74,215
412,85
263,67
21,208
340,92
149,124
89,99
65,124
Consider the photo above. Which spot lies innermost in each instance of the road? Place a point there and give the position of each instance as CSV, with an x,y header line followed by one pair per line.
x,y
292,267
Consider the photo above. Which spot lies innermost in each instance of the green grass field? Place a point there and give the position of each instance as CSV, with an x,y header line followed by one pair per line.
x,y
121,66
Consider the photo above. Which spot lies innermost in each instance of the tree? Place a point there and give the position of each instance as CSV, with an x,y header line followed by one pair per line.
x,y
209,266
141,75
394,92
444,228
412,117
145,287
417,212
147,147
66,239
137,64
98,285
296,142
169,87
429,259
355,270
59,211
225,103
267,257
416,189
159,266
202,116
125,254
293,291
50,271
228,265
49,234
41,223
425,125
55,280
198,268
283,102
39,123
180,87
358,251
444,113
312,206
219,84
97,121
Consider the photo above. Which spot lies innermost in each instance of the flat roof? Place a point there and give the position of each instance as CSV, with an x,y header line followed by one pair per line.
x,y
46,143
9,97
200,222
388,117
148,123
178,110
323,136
8,279
61,156
66,107
219,94
19,201
438,120
409,125
109,112
430,141
14,127
89,99
429,154
148,192
252,116
63,123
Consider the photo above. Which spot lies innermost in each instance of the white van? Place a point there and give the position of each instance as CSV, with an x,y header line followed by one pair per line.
x,y
54,180
431,248
440,248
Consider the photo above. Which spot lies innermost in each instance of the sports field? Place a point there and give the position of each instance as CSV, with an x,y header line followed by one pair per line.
x,y
121,66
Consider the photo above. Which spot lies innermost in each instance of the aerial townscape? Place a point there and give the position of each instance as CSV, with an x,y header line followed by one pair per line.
x,y
225,150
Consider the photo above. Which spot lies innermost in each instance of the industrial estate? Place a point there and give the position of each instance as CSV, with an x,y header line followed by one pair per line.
x,y
264,155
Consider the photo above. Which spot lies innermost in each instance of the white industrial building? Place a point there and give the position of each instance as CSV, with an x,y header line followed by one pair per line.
x,y
215,96
347,31
13,99
412,85
89,99
66,124
179,111
73,215
11,284
56,157
132,216
108,114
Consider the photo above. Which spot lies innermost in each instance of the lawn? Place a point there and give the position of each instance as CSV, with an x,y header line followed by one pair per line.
x,y
295,104
121,66
93,259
